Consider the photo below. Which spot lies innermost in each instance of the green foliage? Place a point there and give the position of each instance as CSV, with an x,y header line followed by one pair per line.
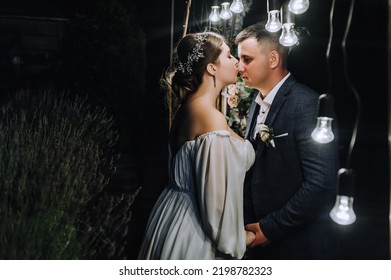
x,y
105,222
56,157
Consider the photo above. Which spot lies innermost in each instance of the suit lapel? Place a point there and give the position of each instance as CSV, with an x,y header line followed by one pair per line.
x,y
278,101
252,116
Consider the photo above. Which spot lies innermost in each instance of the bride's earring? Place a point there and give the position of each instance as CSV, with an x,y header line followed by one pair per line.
x,y
214,81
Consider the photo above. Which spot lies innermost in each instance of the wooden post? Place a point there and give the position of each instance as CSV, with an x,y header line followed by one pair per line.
x,y
389,116
170,97
187,18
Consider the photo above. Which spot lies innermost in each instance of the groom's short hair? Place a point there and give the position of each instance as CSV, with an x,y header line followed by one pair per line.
x,y
259,32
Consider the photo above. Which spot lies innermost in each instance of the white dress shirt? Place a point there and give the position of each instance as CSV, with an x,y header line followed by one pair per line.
x,y
268,100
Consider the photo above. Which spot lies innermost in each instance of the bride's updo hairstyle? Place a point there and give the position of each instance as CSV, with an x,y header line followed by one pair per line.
x,y
191,56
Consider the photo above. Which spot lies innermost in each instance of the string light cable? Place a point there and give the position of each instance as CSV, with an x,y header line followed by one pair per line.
x,y
342,212
350,85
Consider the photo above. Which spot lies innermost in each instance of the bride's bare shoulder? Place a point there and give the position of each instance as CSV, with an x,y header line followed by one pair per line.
x,y
208,119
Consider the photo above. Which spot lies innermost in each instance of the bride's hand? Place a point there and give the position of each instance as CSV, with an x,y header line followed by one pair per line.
x,y
250,237
260,238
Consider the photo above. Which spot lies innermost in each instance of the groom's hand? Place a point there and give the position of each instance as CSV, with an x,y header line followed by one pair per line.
x,y
260,238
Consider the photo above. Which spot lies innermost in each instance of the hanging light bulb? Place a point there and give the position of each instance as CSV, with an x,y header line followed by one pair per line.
x,y
323,132
342,212
214,14
273,16
225,11
237,6
288,36
298,6
273,23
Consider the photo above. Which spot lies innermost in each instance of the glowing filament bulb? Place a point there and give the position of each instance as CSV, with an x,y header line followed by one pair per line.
x,y
288,36
298,6
343,213
225,11
237,6
214,14
273,23
323,132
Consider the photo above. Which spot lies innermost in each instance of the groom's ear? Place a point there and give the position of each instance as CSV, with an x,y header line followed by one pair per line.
x,y
274,59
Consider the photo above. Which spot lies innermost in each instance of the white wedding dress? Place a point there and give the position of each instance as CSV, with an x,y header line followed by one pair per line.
x,y
199,215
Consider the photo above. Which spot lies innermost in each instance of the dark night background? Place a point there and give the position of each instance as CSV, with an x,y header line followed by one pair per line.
x,y
141,113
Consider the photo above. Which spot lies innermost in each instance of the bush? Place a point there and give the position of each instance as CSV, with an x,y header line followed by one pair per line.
x,y
56,157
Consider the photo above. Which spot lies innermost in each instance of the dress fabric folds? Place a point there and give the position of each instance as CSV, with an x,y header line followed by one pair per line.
x,y
199,215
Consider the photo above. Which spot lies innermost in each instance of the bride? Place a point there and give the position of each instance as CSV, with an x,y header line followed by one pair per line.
x,y
199,215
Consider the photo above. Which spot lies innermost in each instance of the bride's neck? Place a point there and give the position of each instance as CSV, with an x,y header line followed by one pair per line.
x,y
208,91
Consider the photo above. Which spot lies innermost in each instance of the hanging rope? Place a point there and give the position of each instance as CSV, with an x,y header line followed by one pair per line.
x,y
170,97
187,18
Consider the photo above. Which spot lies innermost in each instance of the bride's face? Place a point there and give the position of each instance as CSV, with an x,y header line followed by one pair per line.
x,y
227,70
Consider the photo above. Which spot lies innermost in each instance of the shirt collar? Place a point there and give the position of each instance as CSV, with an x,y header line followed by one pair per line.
x,y
268,100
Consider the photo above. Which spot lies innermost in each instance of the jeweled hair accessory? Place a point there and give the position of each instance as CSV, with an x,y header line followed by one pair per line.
x,y
194,56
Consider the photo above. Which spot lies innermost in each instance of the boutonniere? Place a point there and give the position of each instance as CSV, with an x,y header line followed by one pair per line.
x,y
266,134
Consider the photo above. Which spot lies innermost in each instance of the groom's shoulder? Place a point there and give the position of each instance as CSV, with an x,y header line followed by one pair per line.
x,y
303,91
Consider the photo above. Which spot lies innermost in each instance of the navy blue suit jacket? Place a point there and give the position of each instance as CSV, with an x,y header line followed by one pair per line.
x,y
291,188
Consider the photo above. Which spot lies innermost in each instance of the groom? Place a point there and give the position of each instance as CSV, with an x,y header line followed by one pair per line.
x,y
291,187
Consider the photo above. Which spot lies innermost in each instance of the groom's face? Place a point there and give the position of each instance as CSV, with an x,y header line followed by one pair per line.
x,y
254,63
